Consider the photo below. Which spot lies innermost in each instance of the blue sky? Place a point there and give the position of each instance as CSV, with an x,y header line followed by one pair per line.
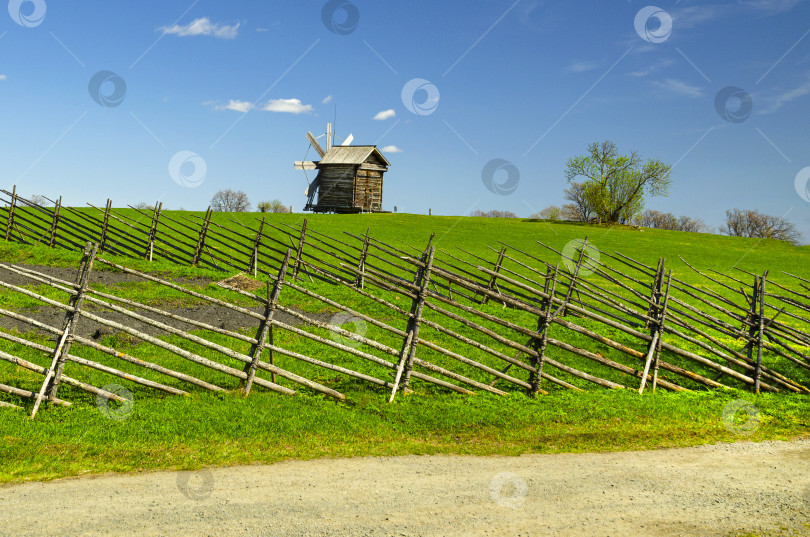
x,y
232,87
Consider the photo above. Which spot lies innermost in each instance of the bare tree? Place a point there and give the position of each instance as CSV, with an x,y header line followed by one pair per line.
x,y
274,206
658,220
494,214
552,212
144,206
742,223
230,201
39,199
580,209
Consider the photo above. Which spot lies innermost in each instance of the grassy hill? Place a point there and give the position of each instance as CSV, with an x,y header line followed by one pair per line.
x,y
475,234
210,429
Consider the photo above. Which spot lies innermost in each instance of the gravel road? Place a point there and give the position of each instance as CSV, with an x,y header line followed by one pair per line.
x,y
709,490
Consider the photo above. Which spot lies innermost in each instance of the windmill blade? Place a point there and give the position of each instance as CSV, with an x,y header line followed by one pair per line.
x,y
315,144
348,140
312,190
305,165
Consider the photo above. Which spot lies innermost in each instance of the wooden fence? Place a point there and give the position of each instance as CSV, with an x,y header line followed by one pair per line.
x,y
510,320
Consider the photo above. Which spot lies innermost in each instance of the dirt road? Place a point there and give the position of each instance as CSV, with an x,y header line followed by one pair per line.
x,y
709,490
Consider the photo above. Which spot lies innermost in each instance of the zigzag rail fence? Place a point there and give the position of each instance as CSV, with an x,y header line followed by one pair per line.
x,y
466,329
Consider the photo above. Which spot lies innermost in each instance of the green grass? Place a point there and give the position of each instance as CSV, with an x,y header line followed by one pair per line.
x,y
215,430
475,234
209,429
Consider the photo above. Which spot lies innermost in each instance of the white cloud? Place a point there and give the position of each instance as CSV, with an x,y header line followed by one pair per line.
x,y
391,149
289,106
327,99
581,67
689,17
3,77
202,26
654,68
772,6
385,114
679,87
236,106
784,98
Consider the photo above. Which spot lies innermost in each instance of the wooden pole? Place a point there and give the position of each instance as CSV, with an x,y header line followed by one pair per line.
x,y
53,377
198,249
72,317
153,230
361,265
409,345
493,279
653,321
254,260
266,327
543,324
25,393
104,226
661,326
761,329
648,361
655,293
299,250
571,284
751,319
10,217
416,319
55,223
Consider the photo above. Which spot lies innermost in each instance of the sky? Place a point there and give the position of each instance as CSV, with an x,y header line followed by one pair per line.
x,y
477,105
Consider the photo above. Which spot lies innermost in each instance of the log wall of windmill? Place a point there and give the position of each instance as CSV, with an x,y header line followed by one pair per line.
x,y
368,190
336,186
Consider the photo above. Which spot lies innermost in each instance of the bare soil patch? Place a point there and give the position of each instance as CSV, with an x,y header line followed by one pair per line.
x,y
208,313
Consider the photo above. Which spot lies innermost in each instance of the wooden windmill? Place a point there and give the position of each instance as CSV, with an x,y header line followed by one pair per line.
x,y
350,177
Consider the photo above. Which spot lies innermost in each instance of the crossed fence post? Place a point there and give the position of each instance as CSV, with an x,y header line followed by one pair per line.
x,y
54,375
542,328
265,331
408,352
656,320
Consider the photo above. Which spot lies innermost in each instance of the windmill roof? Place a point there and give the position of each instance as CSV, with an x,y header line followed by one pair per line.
x,y
352,154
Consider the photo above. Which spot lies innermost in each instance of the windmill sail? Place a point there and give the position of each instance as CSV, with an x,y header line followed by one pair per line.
x,y
315,144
